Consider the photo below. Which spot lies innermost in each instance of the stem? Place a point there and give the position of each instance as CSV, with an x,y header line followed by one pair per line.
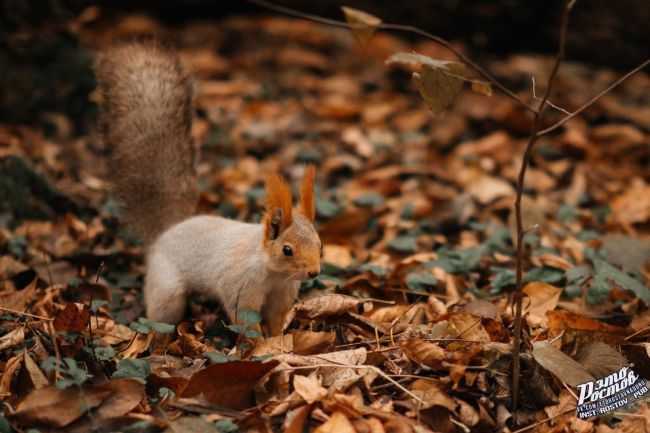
x,y
534,135
594,99
402,28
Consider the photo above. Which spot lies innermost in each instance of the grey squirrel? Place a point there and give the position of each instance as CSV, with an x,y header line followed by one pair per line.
x,y
145,117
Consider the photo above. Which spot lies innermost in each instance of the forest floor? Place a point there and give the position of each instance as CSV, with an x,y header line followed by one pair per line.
x,y
409,327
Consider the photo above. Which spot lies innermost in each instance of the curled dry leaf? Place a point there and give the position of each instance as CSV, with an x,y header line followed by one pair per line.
x,y
308,342
337,423
10,368
424,352
561,365
308,388
322,306
12,338
364,25
466,326
35,374
482,88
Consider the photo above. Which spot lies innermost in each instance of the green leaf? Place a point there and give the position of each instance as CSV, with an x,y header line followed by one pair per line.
x,y
369,200
249,317
236,328
458,261
566,212
405,244
261,358
252,333
166,392
226,426
573,290
606,273
502,280
138,369
439,85
139,328
578,274
96,304
377,270
105,353
420,281
545,274
327,208
163,328
5,427
220,358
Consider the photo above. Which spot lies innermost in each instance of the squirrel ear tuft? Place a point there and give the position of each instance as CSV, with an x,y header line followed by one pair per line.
x,y
307,206
278,206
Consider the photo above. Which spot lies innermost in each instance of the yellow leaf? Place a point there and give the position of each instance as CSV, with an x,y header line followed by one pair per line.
x,y
439,86
482,88
355,17
543,297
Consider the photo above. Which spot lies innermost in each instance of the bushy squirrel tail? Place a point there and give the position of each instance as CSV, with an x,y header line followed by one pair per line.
x,y
146,117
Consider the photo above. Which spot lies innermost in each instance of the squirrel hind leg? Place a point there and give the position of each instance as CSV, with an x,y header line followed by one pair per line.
x,y
164,294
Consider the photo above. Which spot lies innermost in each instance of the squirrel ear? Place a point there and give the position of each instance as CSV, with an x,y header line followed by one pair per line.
x,y
307,206
278,206
275,224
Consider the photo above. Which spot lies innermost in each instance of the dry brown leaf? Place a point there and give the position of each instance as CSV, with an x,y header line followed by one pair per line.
x,y
542,298
440,86
35,374
633,206
425,353
486,189
600,359
433,394
356,17
309,343
322,306
561,365
466,326
308,388
337,423
54,407
229,384
10,368
74,318
12,338
296,419
482,88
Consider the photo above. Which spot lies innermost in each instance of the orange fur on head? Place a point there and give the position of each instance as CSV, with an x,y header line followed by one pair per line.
x,y
307,206
278,196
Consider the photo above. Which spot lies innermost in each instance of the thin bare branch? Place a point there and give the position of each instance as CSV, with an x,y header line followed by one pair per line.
x,y
537,121
594,99
402,28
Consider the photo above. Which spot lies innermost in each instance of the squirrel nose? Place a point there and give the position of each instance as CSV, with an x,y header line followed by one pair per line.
x,y
313,274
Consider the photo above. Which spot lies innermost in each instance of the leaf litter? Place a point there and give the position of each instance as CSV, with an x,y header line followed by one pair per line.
x,y
408,328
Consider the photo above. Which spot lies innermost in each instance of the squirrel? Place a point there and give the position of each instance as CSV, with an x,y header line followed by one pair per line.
x,y
145,118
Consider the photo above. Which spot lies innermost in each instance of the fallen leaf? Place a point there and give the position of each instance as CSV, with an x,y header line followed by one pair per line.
x,y
74,318
12,338
54,407
229,384
308,388
322,306
10,368
543,298
600,359
424,352
482,88
337,423
309,343
35,374
562,366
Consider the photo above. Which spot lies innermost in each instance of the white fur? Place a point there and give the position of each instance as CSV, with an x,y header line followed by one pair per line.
x,y
217,258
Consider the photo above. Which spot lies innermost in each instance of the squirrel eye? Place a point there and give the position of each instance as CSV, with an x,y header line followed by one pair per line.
x,y
287,251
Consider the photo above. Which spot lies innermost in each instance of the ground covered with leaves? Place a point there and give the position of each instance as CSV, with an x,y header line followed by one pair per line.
x,y
409,326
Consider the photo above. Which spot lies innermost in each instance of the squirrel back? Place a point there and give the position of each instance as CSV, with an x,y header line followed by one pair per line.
x,y
146,117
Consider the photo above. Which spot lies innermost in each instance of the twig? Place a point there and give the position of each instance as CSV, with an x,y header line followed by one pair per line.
x,y
548,102
356,367
537,121
544,421
20,313
402,28
594,99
